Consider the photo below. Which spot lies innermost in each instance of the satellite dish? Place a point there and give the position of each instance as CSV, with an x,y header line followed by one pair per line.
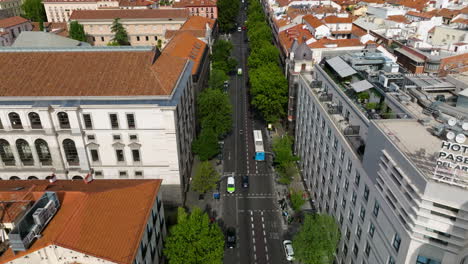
x,y
465,126
450,135
460,138
452,122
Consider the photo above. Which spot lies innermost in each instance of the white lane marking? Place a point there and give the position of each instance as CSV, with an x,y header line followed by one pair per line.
x,y
253,240
264,231
261,214
251,213
252,225
264,240
253,233
251,218
255,248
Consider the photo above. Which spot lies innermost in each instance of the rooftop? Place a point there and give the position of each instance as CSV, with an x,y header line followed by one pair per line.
x,y
187,3
12,21
45,39
185,45
337,20
298,33
93,218
313,21
196,25
181,13
335,43
110,71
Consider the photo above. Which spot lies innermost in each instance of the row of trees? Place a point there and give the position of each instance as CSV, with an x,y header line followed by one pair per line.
x,y
269,87
214,109
284,158
227,13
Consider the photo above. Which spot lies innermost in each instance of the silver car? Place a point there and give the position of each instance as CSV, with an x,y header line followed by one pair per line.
x,y
288,249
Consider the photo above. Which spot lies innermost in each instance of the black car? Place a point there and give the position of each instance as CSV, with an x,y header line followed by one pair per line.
x,y
245,181
231,237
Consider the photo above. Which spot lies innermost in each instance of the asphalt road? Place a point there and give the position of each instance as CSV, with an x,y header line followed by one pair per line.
x,y
253,211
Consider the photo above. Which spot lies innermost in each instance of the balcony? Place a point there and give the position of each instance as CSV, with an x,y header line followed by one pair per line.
x,y
325,97
334,109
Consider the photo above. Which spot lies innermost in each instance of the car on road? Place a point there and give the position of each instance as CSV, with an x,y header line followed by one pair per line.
x,y
244,28
288,249
226,84
239,71
245,181
231,185
239,29
231,237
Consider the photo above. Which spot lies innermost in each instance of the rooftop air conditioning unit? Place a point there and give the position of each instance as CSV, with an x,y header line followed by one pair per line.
x,y
39,216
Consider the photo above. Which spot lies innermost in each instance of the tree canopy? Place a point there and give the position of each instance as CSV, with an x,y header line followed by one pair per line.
x,y
206,145
317,239
217,78
227,13
284,158
120,34
34,10
205,178
76,31
215,111
194,240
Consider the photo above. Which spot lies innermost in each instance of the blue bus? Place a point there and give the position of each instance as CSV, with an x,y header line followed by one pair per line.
x,y
258,142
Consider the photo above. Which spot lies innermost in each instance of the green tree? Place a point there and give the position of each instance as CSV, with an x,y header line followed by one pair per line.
x,y
206,145
34,10
227,13
317,240
296,200
215,111
221,50
217,78
194,240
264,55
120,34
77,31
205,178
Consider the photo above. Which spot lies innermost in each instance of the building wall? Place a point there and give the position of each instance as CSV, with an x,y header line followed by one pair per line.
x,y
446,35
140,32
457,63
11,33
61,11
204,11
10,8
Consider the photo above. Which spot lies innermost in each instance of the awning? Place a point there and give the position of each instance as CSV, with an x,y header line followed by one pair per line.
x,y
361,86
341,67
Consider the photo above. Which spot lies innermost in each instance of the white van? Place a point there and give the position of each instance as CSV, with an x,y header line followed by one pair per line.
x,y
239,71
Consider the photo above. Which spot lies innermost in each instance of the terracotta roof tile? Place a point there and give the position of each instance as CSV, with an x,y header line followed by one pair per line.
x,y
337,20
313,21
399,19
190,3
287,37
460,21
185,45
130,14
282,3
324,42
62,73
416,4
105,218
12,21
195,25
135,3
419,14
358,31
52,27
280,22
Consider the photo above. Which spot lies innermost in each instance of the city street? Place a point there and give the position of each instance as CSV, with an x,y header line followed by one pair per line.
x,y
253,211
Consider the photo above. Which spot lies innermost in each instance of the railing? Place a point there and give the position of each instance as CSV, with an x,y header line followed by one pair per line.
x,y
334,109
351,130
325,97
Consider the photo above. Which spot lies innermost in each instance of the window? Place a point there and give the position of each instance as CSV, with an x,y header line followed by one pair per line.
x,y
43,152
131,121
63,120
116,137
362,213
6,153
376,208
335,204
349,166
348,233
87,121
342,154
357,178
136,155
114,121
346,185
391,260
343,202
123,174
120,155
358,232
133,137
102,39
371,229
147,38
94,155
345,250
35,120
425,260
24,152
139,174
1,124
15,121
138,38
335,144
366,193
367,250
91,137
355,250
340,172
351,216
396,242
71,153
98,174
353,198
155,38
341,219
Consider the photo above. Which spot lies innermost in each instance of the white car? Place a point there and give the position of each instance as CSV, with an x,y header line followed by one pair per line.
x,y
239,29
231,185
288,249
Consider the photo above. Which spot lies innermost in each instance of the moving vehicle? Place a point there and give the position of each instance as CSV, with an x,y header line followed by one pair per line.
x,y
258,143
245,181
288,249
231,185
231,237
239,29
239,71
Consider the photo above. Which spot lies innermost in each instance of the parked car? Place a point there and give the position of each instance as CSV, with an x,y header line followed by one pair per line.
x,y
231,185
231,237
239,29
288,249
245,181
239,71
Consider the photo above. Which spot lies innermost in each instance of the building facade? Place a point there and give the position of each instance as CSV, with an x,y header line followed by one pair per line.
x,y
11,27
10,8
145,27
60,11
203,8
378,170
121,126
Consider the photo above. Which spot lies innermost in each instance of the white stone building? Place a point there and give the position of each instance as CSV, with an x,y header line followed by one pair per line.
x,y
128,114
376,171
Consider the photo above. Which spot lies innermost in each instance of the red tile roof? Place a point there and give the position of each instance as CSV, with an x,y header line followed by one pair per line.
x,y
195,3
313,21
105,218
419,14
185,45
324,42
399,19
196,25
358,31
460,21
52,27
12,21
287,37
337,20
130,14
108,73
135,3
416,4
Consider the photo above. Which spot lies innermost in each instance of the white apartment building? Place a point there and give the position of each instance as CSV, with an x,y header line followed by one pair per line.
x,y
380,172
123,116
73,229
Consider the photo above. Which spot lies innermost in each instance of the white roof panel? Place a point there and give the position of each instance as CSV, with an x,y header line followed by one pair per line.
x,y
341,67
361,86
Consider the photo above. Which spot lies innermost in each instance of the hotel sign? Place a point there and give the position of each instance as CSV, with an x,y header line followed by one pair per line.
x,y
453,156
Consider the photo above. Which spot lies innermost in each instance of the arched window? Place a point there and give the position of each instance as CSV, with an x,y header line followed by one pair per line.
x,y
6,153
32,178
43,152
15,120
63,120
35,120
24,152
15,178
77,177
70,152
